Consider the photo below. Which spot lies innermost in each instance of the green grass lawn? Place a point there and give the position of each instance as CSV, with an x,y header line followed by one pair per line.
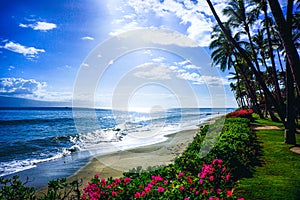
x,y
278,176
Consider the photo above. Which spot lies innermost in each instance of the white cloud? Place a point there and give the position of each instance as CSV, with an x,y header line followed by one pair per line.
x,y
31,89
174,68
158,59
194,16
40,26
197,17
11,68
85,65
111,62
87,38
153,72
127,27
192,67
182,63
21,87
30,52
197,79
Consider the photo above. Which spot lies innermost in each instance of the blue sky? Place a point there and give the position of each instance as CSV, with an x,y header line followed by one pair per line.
x,y
44,46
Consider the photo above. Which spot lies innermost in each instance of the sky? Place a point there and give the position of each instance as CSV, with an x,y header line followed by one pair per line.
x,y
51,51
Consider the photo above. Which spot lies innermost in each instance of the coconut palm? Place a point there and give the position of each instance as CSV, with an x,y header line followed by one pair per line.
x,y
224,55
248,61
285,31
239,18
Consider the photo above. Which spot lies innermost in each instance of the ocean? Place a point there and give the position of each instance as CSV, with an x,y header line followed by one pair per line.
x,y
50,143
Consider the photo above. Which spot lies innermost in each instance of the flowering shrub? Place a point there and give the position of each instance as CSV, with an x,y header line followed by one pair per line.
x,y
192,175
240,113
236,145
213,182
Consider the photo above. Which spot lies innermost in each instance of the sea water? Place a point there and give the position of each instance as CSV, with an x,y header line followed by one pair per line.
x,y
50,143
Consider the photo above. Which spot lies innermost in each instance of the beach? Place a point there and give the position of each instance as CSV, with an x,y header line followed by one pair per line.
x,y
113,165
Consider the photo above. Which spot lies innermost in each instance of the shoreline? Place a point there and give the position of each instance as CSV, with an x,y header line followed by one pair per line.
x,y
115,164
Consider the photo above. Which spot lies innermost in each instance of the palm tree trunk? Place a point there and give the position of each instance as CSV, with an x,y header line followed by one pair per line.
x,y
290,129
274,73
286,37
249,62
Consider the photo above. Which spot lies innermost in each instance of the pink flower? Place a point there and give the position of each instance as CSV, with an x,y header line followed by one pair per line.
x,y
218,191
190,180
137,195
159,178
181,188
147,189
117,181
201,181
108,186
180,174
114,194
96,175
165,182
227,177
160,189
240,199
197,193
228,193
126,180
143,193
187,198
103,181
204,192
211,178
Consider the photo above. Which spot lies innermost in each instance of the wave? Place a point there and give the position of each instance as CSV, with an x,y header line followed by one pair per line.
x,y
15,166
136,130
33,121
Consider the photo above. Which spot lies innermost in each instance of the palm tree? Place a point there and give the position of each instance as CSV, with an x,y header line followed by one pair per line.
x,y
248,60
225,55
284,28
238,17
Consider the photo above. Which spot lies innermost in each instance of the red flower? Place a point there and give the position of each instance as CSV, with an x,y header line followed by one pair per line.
x,y
180,174
147,189
126,180
160,189
181,188
114,194
137,195
229,193
117,181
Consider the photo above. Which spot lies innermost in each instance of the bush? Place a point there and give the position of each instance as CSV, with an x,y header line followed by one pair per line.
x,y
237,146
243,113
12,189
213,181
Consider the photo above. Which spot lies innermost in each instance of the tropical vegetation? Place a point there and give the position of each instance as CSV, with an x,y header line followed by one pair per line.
x,y
258,43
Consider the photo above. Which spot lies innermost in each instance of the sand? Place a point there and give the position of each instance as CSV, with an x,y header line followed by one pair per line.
x,y
113,165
